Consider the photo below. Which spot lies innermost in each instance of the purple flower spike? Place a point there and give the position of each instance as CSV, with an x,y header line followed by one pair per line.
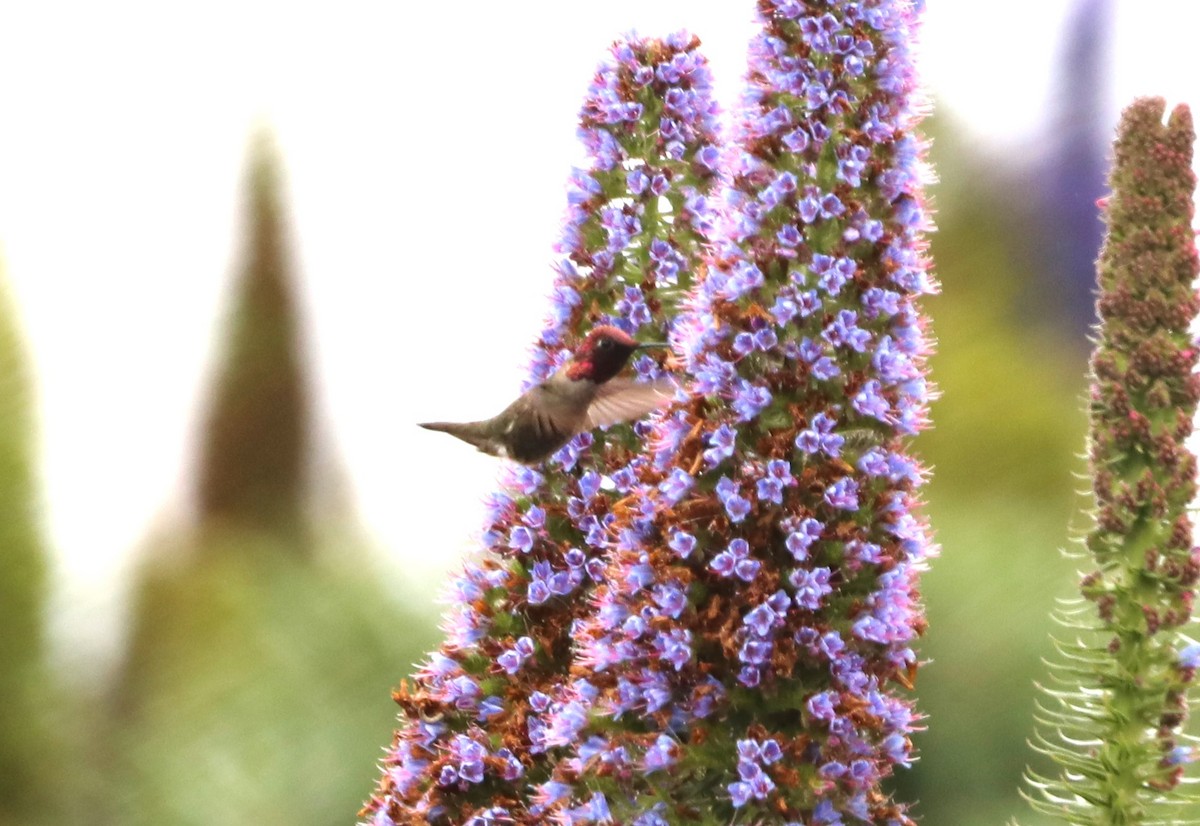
x,y
637,215
797,537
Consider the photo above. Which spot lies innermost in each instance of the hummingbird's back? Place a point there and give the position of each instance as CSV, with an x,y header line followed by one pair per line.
x,y
533,427
545,418
581,395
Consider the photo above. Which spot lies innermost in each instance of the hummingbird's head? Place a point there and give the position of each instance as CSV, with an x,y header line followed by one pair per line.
x,y
601,355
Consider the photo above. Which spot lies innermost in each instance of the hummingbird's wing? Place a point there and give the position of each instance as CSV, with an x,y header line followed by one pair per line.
x,y
624,400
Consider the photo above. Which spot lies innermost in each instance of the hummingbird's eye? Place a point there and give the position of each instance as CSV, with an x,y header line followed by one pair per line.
x,y
603,344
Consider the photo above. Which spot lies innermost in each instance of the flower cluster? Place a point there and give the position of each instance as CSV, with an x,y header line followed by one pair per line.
x,y
483,710
755,783
758,609
1116,737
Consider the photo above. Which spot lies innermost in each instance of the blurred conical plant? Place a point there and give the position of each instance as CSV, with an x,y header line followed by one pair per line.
x,y
252,473
26,767
474,737
260,644
251,483
1117,695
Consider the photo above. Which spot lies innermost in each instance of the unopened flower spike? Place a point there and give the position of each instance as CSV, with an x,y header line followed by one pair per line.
x,y
474,727
751,647
1112,711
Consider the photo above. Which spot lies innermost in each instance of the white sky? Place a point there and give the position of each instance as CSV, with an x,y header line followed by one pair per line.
x,y
426,149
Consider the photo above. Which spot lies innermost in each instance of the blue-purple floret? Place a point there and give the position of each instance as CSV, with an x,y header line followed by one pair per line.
x,y
780,555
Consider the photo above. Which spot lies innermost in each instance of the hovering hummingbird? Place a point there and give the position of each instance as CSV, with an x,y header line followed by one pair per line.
x,y
581,395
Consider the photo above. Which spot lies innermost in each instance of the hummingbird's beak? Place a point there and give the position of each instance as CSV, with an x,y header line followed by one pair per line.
x,y
643,344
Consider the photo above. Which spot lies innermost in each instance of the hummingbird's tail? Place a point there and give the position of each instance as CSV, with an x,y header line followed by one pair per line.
x,y
469,432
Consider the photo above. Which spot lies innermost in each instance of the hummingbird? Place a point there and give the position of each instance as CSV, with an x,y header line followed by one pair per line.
x,y
582,394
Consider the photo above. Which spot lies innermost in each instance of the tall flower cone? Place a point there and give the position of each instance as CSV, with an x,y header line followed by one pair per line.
x,y
1117,695
750,649
256,609
472,736
252,475
251,483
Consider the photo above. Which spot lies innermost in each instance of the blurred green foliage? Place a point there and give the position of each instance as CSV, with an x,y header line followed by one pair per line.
x,y
259,691
28,754
1005,448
